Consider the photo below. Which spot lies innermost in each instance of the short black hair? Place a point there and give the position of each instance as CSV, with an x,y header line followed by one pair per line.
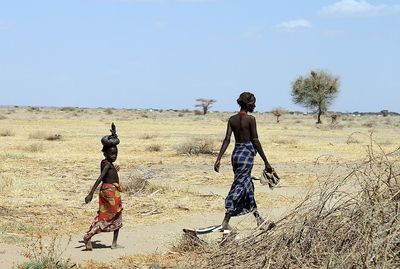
x,y
245,98
107,147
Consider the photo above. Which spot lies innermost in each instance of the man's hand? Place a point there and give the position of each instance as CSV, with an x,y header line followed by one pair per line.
x,y
268,168
216,165
116,167
89,198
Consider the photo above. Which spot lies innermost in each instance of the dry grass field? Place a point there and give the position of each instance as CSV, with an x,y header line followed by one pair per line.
x,y
50,158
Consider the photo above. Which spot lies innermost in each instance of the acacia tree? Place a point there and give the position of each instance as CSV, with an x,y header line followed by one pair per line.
x,y
316,91
277,112
205,104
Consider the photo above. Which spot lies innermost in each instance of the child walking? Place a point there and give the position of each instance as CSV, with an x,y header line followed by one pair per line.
x,y
109,216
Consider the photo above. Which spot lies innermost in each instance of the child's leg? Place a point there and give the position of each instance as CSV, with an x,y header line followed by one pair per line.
x,y
115,238
88,243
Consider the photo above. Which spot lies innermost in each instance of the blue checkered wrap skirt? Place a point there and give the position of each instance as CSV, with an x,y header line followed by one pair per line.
x,y
240,199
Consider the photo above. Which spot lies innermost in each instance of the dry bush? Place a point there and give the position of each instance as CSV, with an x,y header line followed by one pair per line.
x,y
33,109
352,221
2,117
6,182
154,148
41,135
198,112
147,136
138,182
108,111
45,255
7,133
368,124
67,108
54,137
34,148
197,146
189,243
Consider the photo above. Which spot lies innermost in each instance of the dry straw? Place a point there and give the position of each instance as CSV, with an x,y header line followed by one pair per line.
x,y
350,222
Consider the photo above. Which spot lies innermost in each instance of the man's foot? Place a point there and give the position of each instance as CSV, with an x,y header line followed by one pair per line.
x,y
226,227
88,244
271,225
260,221
115,246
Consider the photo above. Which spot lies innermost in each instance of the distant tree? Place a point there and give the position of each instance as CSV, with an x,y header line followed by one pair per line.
x,y
205,104
277,112
334,118
316,91
385,112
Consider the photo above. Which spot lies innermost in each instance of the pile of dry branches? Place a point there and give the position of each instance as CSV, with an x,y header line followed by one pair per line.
x,y
350,222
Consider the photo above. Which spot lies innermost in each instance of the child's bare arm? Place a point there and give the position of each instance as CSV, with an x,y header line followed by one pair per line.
x,y
89,197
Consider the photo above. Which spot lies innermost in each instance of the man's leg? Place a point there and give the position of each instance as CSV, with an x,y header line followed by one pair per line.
x,y
258,217
225,222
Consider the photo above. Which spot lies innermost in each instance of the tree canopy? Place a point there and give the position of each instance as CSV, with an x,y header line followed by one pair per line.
x,y
316,91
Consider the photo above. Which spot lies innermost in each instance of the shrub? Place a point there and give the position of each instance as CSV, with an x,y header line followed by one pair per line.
x,y
54,137
155,147
138,183
108,111
33,109
6,133
35,148
6,182
44,136
45,256
368,124
147,136
67,108
197,146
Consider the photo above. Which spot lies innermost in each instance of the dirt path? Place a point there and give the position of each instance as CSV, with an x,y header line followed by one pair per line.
x,y
140,240
159,237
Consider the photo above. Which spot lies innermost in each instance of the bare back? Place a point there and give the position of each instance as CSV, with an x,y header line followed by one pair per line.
x,y
243,127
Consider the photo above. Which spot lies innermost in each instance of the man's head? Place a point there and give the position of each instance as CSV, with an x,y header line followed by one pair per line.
x,y
110,153
247,101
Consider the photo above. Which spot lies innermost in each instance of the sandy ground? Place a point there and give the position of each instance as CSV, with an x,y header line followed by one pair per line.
x,y
141,240
157,238
46,180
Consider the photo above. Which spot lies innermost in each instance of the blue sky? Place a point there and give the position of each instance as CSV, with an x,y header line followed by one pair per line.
x,y
167,53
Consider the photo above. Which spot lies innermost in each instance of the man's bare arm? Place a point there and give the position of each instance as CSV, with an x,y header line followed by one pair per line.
x,y
257,144
224,146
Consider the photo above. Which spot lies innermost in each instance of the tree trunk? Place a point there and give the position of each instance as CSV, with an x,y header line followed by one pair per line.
x,y
319,116
204,110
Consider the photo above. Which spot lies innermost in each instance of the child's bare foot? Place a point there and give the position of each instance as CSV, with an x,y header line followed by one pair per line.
x,y
88,244
115,246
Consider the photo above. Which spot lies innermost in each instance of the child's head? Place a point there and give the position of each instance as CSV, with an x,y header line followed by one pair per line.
x,y
247,101
110,153
110,143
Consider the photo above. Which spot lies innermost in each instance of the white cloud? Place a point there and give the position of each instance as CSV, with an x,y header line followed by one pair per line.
x,y
358,8
294,25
